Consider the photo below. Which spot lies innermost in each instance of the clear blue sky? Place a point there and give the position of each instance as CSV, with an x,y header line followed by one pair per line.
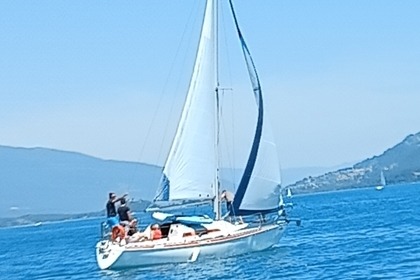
x,y
342,78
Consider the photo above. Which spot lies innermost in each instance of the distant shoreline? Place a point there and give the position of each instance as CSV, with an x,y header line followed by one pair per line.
x,y
33,219
43,223
30,220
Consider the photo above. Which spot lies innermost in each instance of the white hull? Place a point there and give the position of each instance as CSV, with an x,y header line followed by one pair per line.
x,y
379,188
111,255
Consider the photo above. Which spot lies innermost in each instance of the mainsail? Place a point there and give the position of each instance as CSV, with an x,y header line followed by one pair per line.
x,y
188,173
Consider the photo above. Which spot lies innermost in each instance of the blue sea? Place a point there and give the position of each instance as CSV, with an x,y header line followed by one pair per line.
x,y
355,234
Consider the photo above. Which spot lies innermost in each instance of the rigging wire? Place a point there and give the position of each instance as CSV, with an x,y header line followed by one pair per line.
x,y
178,83
162,94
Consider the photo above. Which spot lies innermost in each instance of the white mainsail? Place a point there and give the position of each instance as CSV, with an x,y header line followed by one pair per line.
x,y
189,170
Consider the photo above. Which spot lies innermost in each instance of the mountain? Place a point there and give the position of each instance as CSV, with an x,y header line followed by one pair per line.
x,y
400,164
41,181
45,181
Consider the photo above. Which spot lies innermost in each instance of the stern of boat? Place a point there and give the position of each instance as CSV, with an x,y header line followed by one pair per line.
x,y
107,253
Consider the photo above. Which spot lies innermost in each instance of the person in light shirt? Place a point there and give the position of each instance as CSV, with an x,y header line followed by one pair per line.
x,y
228,197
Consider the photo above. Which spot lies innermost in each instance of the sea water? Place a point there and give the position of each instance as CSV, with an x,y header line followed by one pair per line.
x,y
355,234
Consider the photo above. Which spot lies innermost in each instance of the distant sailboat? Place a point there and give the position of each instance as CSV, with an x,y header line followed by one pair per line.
x,y
383,182
289,193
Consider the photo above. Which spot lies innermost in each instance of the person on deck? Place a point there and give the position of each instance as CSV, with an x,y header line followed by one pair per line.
x,y
132,228
155,233
124,213
111,213
133,234
228,197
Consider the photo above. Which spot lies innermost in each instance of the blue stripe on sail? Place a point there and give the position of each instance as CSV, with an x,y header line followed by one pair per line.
x,y
243,185
163,191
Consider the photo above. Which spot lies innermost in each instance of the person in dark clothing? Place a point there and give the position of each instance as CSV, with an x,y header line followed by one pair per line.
x,y
124,212
111,213
132,228
133,234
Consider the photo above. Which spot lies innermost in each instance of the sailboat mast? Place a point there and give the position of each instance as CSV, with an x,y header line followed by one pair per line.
x,y
216,206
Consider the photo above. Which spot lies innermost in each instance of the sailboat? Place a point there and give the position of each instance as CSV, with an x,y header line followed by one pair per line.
x,y
289,193
191,175
383,182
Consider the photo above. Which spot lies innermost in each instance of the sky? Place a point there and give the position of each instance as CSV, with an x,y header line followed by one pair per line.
x,y
108,78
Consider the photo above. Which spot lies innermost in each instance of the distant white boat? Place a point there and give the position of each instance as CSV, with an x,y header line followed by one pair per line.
x,y
379,187
38,224
383,182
